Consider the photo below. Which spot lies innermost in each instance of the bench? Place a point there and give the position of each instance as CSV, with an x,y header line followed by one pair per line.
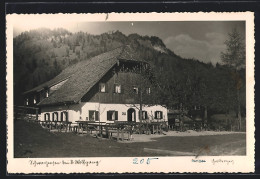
x,y
118,131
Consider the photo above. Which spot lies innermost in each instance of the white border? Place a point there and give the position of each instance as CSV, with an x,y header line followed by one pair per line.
x,y
125,164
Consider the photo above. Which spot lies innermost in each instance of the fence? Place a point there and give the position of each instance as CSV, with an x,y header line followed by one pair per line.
x,y
26,113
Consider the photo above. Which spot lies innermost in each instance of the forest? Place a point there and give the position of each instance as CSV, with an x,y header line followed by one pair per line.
x,y
41,54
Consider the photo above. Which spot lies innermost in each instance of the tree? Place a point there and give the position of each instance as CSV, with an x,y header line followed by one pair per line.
x,y
234,57
235,52
142,88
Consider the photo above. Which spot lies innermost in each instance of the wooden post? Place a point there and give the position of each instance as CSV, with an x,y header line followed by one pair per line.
x,y
87,127
117,134
107,132
122,135
100,130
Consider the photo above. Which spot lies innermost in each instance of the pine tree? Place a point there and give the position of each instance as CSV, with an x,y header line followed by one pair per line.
x,y
234,57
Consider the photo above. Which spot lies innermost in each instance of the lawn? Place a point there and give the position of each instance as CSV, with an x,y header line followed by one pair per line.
x,y
31,140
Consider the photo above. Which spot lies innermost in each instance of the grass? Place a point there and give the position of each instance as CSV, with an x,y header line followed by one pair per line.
x,y
31,140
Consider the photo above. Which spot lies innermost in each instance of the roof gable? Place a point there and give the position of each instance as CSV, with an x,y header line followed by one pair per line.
x,y
84,75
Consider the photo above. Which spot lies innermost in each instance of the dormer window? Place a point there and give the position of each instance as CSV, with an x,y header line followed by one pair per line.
x,y
34,100
117,88
26,101
102,87
47,93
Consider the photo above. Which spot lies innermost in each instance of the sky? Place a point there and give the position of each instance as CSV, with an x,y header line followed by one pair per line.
x,y
201,40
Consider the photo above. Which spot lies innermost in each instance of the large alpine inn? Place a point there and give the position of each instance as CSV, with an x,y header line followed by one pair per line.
x,y
104,89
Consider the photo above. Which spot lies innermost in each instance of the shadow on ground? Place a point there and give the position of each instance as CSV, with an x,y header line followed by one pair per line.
x,y
31,140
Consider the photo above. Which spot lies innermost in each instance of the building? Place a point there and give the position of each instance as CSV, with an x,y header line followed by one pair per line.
x,y
105,88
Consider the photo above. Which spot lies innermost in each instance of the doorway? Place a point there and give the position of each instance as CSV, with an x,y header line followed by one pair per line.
x,y
131,116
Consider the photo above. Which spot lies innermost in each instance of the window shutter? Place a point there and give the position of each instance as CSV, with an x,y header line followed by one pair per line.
x,y
96,115
108,116
89,115
53,116
155,115
67,116
161,114
61,116
116,113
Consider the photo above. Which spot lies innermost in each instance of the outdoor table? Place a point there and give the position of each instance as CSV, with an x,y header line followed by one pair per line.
x,y
43,123
119,127
56,124
156,127
87,124
100,126
60,124
80,125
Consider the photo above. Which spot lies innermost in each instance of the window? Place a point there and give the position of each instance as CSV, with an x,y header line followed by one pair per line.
x,y
47,116
64,116
148,90
34,99
144,115
112,115
117,88
47,93
93,115
55,116
158,114
26,101
135,90
102,87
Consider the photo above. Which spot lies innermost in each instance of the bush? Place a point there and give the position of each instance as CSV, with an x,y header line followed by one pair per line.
x,y
226,122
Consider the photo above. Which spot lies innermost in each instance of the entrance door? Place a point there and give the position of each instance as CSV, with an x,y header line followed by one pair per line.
x,y
131,115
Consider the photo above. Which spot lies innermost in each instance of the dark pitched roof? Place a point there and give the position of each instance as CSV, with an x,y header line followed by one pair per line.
x,y
84,75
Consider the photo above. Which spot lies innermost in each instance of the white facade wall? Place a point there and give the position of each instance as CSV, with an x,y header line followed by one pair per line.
x,y
80,111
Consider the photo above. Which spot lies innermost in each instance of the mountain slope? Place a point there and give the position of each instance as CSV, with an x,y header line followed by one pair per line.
x,y
41,54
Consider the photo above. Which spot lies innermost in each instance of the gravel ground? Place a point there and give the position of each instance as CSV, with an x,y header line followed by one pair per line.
x,y
149,138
